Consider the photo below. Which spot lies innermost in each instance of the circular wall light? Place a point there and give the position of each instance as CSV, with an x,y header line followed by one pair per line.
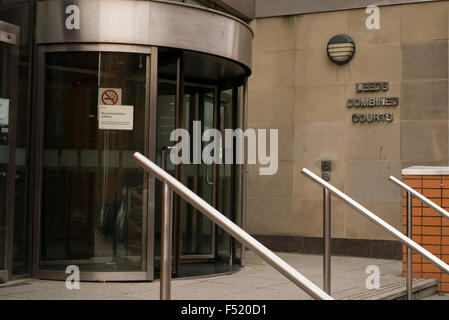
x,y
341,49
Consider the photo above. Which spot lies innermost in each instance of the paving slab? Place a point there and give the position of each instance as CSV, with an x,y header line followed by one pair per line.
x,y
257,281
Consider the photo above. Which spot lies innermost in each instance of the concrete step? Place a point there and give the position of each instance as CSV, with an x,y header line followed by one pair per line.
x,y
394,289
438,296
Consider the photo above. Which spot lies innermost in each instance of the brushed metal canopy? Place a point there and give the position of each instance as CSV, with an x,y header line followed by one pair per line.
x,y
164,24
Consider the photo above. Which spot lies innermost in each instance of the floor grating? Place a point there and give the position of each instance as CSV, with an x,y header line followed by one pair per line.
x,y
391,289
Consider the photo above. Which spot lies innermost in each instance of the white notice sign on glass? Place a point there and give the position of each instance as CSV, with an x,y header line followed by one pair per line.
x,y
115,117
4,112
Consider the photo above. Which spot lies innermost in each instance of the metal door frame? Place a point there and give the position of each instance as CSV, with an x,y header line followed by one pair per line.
x,y
149,146
215,176
10,34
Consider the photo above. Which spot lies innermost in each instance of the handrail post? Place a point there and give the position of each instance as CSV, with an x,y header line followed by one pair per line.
x,y
166,242
327,241
176,240
409,250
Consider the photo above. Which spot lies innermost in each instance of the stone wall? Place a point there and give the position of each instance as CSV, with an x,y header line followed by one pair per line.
x,y
295,88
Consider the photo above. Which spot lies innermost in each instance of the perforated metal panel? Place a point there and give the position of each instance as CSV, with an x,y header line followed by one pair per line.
x,y
394,288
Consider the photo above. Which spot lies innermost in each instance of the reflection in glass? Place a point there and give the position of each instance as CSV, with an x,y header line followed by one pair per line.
x,y
199,247
166,123
238,176
92,207
5,91
226,201
197,230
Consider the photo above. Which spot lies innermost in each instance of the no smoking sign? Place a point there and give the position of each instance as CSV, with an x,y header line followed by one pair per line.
x,y
110,96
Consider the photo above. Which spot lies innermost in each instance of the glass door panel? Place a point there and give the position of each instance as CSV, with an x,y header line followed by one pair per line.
x,y
226,201
193,233
5,56
166,123
239,122
8,105
93,209
197,230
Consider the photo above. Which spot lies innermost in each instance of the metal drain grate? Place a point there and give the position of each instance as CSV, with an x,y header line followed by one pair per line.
x,y
390,289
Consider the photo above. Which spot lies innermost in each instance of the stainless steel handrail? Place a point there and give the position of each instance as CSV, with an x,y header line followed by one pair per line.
x,y
373,218
409,225
420,197
170,183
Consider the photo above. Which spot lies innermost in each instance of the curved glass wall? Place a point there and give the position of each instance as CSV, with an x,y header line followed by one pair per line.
x,y
95,210
105,91
71,193
93,213
6,60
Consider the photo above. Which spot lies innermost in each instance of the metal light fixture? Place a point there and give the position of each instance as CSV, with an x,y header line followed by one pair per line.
x,y
341,49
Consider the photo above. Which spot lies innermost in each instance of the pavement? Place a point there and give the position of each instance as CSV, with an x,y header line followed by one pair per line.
x,y
257,281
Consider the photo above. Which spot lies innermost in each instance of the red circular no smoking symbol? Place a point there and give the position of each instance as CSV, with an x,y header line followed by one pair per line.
x,y
109,97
